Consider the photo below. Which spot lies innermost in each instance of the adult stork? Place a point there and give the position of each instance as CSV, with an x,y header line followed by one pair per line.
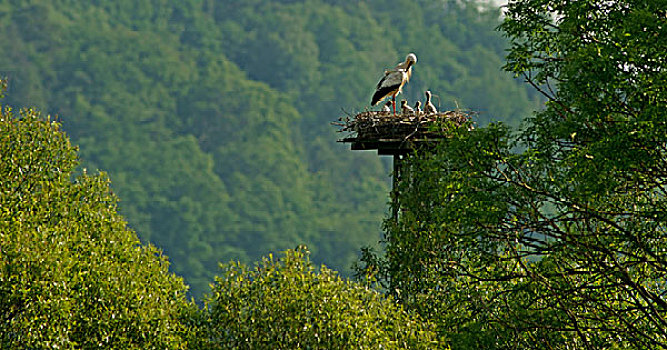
x,y
393,81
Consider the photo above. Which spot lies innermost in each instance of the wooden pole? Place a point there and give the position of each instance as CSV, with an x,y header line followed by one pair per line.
x,y
394,186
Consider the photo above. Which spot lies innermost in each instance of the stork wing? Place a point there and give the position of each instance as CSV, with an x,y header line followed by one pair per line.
x,y
392,77
390,83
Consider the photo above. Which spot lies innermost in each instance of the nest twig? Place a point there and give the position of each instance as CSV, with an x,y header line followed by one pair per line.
x,y
375,125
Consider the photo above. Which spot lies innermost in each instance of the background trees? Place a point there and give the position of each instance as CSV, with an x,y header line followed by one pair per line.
x,y
212,118
563,243
552,236
286,303
71,273
601,134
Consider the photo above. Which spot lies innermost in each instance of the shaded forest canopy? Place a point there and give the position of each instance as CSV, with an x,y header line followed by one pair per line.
x,y
551,235
212,118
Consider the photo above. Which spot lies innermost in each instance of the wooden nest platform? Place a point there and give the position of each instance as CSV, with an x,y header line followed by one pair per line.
x,y
391,134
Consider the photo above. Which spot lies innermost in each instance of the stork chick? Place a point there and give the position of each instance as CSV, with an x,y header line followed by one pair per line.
x,y
387,107
418,107
405,109
429,108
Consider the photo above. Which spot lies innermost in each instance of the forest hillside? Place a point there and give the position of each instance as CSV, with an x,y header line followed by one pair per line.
x,y
212,119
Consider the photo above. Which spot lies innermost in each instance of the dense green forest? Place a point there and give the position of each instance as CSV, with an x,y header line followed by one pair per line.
x,y
73,276
552,236
549,235
211,118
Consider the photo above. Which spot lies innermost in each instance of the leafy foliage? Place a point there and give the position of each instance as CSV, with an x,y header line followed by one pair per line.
x,y
212,118
287,304
71,273
561,244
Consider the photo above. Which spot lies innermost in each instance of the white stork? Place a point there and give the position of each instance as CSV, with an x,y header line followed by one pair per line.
x,y
393,81
429,108
387,107
405,109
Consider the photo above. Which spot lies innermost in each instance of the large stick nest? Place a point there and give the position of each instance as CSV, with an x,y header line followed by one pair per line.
x,y
380,125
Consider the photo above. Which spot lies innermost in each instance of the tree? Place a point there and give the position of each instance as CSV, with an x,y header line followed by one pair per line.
x,y
597,157
71,273
212,118
561,244
287,304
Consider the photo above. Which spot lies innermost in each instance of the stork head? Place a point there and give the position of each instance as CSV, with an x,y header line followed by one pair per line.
x,y
428,95
410,59
404,103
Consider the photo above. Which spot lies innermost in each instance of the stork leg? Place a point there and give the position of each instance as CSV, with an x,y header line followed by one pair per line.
x,y
393,103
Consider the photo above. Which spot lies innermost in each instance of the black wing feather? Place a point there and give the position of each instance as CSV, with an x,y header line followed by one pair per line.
x,y
382,92
391,82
